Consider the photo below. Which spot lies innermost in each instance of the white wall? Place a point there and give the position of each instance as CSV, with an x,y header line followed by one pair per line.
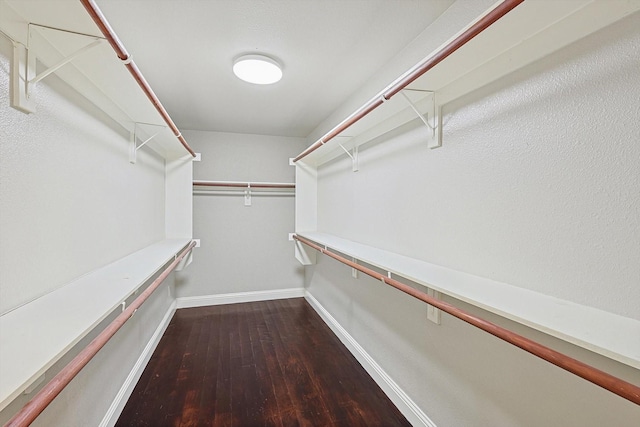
x,y
244,249
86,401
70,201
537,186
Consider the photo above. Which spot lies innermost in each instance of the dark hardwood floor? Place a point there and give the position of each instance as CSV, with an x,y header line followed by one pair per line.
x,y
272,363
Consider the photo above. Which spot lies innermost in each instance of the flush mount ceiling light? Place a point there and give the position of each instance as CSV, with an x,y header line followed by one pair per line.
x,y
257,69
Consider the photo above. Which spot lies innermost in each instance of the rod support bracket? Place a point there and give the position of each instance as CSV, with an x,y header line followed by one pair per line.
x,y
23,70
353,155
354,271
133,141
437,140
247,195
433,313
431,119
304,254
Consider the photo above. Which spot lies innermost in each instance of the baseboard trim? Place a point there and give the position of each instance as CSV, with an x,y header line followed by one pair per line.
x,y
239,297
404,403
119,402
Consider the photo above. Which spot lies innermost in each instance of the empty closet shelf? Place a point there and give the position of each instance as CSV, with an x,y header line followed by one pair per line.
x,y
584,326
36,335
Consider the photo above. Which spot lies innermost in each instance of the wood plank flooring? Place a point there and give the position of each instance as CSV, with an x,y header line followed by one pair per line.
x,y
271,363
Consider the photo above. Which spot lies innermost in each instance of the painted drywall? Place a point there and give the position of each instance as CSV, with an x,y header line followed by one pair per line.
x,y
178,198
243,248
70,201
540,169
536,186
87,399
458,375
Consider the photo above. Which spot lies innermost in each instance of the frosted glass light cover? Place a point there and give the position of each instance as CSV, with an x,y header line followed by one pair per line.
x,y
257,69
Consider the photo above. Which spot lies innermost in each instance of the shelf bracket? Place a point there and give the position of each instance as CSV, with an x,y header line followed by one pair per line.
x,y
34,385
304,254
184,262
354,157
23,71
31,83
435,127
433,313
247,195
133,145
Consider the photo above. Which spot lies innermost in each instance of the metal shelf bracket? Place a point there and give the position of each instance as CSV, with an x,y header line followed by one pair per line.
x,y
23,71
435,127
134,146
433,313
354,271
353,156
31,83
247,195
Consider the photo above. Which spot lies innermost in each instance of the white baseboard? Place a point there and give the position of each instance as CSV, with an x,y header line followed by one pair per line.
x,y
404,403
111,417
238,297
409,409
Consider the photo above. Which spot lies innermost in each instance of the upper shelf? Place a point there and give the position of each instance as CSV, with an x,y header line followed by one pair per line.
x,y
583,326
54,31
532,30
37,334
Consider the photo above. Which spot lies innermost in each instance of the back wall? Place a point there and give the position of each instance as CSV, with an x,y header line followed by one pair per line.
x,y
244,248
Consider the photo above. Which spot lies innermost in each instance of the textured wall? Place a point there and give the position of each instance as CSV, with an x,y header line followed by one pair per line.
x,y
243,248
70,201
86,400
459,375
537,186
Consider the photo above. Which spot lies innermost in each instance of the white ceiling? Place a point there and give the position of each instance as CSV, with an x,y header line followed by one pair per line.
x,y
329,48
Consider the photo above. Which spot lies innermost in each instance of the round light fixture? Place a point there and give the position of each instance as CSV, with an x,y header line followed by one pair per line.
x,y
257,69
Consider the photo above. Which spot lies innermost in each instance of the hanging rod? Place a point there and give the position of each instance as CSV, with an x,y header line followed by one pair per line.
x,y
45,396
607,381
100,20
238,184
414,73
243,193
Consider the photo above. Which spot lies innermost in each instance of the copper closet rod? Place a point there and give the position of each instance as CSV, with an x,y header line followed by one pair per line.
x,y
116,44
45,396
615,385
485,22
243,184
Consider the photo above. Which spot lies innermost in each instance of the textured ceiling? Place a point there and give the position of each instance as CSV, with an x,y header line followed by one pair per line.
x,y
329,48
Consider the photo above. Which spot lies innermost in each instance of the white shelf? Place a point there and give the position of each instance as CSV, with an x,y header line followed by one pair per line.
x,y
583,326
39,333
533,30
97,74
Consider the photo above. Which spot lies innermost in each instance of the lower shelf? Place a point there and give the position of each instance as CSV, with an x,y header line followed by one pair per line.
x,y
38,334
587,327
